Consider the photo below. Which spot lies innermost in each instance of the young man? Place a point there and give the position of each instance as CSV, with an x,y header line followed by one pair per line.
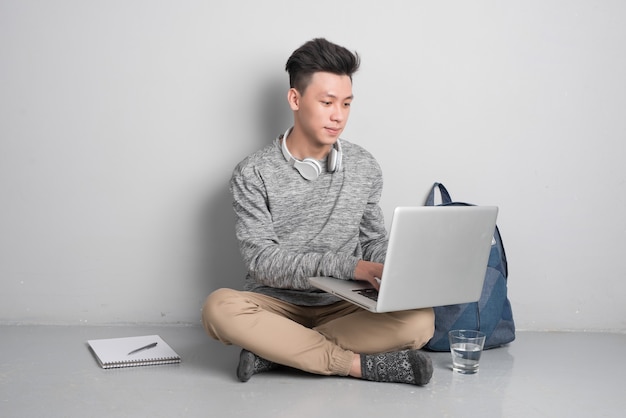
x,y
308,205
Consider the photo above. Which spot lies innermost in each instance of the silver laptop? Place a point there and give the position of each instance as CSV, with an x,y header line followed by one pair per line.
x,y
436,256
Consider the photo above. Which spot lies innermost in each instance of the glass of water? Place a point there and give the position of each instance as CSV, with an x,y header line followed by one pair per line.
x,y
466,347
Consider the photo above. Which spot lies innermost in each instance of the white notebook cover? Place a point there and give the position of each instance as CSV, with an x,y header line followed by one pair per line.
x,y
114,352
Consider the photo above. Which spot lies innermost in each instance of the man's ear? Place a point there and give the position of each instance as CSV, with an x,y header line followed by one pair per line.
x,y
293,97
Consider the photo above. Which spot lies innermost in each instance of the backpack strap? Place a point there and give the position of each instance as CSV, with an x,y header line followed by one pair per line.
x,y
445,196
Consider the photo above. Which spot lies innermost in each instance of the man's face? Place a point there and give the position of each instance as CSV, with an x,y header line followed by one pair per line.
x,y
322,111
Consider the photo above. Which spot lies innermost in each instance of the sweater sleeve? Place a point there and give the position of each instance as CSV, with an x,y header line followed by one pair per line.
x,y
267,262
373,235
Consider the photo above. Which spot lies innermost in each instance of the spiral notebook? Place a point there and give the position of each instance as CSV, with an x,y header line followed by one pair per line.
x,y
145,350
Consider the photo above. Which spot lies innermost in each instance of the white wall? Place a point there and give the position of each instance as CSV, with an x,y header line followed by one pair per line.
x,y
121,121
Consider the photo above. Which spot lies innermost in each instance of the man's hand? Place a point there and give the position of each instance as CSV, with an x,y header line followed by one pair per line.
x,y
368,271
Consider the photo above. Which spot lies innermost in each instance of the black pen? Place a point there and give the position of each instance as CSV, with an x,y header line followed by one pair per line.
x,y
145,347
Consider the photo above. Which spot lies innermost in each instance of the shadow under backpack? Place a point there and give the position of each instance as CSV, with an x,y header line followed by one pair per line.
x,y
492,313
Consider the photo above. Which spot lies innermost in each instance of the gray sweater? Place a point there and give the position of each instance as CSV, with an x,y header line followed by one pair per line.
x,y
290,228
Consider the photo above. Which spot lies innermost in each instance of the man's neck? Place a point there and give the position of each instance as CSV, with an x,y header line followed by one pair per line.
x,y
301,146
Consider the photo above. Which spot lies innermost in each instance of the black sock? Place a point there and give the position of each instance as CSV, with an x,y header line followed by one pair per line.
x,y
407,366
250,363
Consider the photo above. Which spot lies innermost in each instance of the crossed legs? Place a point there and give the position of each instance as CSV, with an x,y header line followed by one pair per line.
x,y
340,339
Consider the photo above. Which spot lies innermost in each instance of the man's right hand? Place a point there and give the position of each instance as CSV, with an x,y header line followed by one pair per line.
x,y
368,271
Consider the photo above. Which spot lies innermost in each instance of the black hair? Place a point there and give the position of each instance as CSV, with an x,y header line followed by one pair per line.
x,y
319,55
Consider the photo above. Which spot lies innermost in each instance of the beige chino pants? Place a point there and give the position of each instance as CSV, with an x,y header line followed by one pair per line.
x,y
316,339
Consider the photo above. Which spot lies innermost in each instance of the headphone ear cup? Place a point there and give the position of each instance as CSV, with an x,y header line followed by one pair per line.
x,y
332,160
308,168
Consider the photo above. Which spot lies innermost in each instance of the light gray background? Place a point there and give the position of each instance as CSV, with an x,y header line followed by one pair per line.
x,y
121,122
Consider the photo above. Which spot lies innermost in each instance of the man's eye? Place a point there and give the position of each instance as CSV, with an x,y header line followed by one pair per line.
x,y
347,104
326,103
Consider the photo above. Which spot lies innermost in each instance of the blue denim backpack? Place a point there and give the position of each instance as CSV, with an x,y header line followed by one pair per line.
x,y
492,313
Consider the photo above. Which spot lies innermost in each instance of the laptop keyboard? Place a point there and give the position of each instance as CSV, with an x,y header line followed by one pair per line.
x,y
368,293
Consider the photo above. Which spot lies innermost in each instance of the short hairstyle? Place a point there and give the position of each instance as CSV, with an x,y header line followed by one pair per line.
x,y
319,55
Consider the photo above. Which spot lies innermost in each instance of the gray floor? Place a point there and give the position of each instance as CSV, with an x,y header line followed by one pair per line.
x,y
49,372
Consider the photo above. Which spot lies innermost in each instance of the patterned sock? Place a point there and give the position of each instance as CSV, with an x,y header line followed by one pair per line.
x,y
250,363
407,366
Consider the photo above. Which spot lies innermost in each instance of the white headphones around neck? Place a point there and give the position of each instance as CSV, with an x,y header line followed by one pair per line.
x,y
310,168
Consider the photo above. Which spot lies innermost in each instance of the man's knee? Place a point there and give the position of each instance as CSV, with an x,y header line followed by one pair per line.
x,y
423,326
215,310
